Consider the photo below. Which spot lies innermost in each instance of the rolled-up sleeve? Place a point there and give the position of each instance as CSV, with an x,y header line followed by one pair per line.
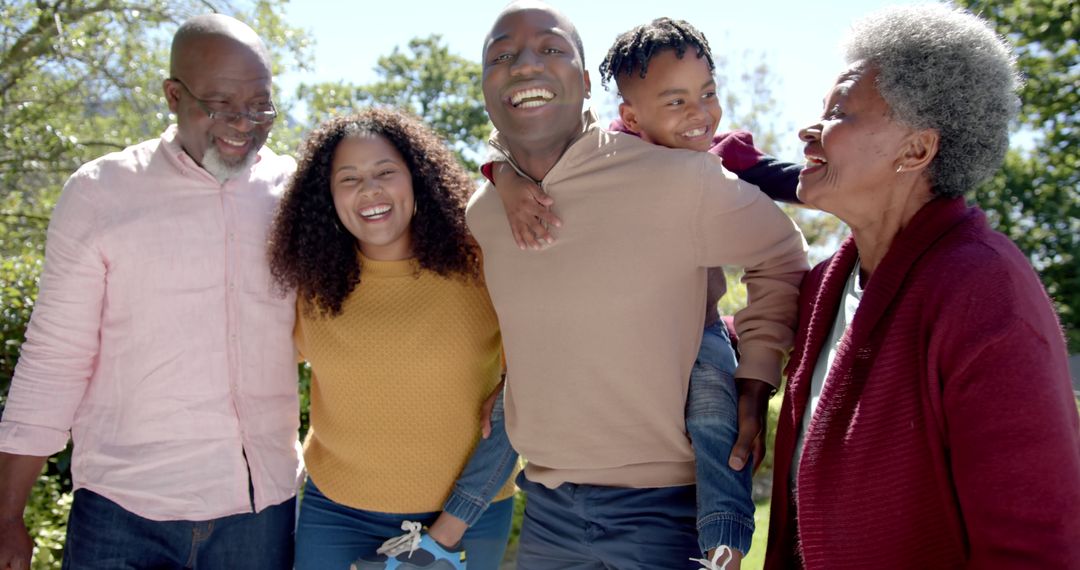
x,y
62,339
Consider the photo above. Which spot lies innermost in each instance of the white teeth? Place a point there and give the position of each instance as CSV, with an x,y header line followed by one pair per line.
x,y
694,133
529,98
815,161
374,211
232,142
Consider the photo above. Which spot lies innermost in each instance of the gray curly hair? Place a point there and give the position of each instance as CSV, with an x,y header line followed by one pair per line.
x,y
944,69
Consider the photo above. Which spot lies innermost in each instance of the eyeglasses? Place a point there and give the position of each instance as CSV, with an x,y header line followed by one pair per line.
x,y
255,117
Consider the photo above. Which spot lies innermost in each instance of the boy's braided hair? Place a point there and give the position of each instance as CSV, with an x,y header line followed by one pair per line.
x,y
633,49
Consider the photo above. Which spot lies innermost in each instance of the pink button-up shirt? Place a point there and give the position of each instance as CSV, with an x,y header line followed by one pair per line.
x,y
159,341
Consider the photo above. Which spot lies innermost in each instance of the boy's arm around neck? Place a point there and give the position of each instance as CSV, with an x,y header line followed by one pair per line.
x,y
736,150
776,178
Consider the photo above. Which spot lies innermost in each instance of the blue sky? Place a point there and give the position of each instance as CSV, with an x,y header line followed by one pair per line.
x,y
796,39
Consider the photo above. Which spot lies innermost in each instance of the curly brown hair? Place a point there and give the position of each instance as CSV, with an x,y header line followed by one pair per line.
x,y
313,253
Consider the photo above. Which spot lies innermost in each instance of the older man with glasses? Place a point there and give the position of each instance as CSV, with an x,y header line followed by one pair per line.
x,y
157,343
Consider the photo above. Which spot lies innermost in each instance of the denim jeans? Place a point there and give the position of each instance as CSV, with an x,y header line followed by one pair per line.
x,y
488,468
103,535
725,505
591,527
330,536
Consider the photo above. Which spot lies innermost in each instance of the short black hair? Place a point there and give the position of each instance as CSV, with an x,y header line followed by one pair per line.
x,y
632,50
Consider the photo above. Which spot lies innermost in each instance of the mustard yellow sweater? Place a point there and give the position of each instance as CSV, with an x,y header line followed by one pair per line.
x,y
398,379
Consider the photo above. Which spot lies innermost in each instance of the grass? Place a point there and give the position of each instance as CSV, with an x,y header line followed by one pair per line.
x,y
756,558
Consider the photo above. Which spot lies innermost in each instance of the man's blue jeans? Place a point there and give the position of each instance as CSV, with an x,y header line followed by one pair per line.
x,y
591,527
725,504
103,535
332,535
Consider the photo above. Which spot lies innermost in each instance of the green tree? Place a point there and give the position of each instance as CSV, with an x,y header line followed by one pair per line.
x,y
441,88
1035,198
81,78
78,79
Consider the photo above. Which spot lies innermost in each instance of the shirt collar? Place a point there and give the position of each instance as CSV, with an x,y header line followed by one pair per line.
x,y
171,140
589,122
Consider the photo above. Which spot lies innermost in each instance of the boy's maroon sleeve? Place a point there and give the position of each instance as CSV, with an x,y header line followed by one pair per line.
x,y
618,126
776,178
488,170
736,150
729,324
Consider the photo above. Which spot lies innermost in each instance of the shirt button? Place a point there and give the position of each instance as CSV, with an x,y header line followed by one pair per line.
x,y
232,286
232,236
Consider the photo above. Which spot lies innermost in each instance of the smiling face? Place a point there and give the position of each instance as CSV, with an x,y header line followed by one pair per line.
x,y
373,195
675,104
853,152
533,81
227,75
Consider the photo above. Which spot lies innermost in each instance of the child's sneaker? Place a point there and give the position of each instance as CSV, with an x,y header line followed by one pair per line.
x,y
715,564
414,550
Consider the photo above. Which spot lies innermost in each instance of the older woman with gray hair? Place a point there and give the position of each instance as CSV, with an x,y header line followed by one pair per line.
x,y
928,420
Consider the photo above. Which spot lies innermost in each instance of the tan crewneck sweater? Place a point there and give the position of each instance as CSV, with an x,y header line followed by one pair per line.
x,y
601,329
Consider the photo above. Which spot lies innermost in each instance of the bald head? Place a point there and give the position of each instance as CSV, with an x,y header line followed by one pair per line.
x,y
219,67
564,22
210,32
534,83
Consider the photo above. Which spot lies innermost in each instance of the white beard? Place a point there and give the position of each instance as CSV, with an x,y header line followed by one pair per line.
x,y
223,171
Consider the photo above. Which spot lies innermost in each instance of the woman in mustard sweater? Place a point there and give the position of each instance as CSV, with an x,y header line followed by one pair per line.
x,y
404,348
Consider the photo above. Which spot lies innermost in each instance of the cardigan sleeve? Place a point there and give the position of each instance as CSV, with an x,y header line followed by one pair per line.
x,y
1013,438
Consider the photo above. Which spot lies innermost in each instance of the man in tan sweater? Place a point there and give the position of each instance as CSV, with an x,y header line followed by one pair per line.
x,y
601,328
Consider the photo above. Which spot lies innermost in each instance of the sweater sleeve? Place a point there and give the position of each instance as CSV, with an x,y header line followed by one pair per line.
x,y
735,224
1011,428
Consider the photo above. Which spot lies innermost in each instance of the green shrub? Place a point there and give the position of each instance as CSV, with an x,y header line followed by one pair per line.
x,y
50,500
304,388
18,288
46,516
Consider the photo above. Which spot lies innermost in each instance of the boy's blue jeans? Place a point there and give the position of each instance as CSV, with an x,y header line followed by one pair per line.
x,y
725,505
488,468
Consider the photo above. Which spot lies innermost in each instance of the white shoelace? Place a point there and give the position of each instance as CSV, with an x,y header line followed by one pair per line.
x,y
715,564
407,542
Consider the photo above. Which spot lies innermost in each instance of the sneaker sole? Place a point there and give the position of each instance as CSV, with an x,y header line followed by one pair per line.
x,y
390,565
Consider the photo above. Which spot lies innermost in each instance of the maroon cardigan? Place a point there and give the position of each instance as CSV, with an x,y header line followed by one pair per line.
x,y
947,434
